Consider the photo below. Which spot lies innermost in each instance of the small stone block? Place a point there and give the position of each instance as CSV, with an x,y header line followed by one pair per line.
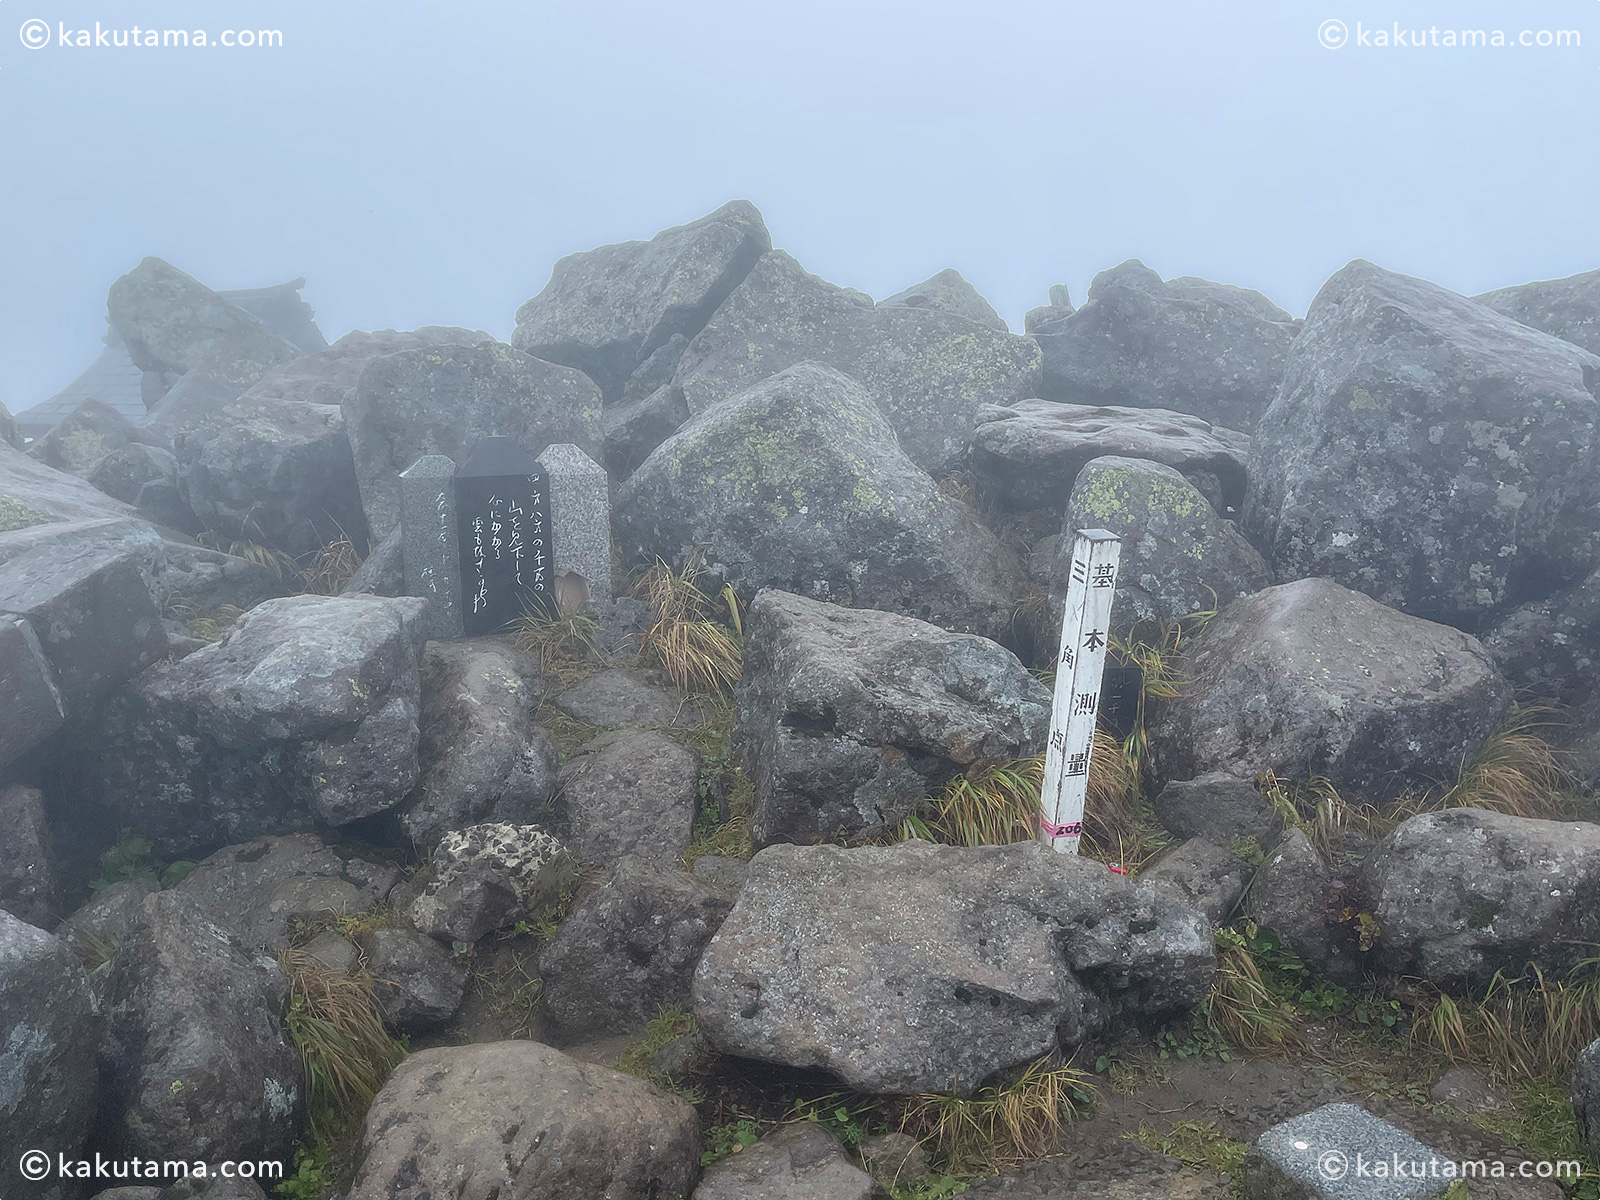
x,y
580,508
429,541
1342,1152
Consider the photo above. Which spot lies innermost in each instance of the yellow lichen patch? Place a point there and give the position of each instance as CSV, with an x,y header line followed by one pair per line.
x,y
16,515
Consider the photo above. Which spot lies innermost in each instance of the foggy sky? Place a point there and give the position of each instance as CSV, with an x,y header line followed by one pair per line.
x,y
428,163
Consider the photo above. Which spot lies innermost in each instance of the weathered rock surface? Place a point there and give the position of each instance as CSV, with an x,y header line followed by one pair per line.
x,y
1311,677
520,1118
1462,893
1029,454
10,431
631,791
1207,349
605,311
802,1161
920,968
1047,318
195,1060
49,1031
28,889
107,918
1586,1092
488,877
926,370
948,292
418,985
329,377
446,399
847,718
305,713
633,428
1218,807
1203,876
482,759
1298,896
630,947
1550,648
1178,556
85,436
147,478
1429,452
798,484
630,697
1565,308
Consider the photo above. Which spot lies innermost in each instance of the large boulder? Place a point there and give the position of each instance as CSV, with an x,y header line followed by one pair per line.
x,y
195,1060
1550,648
1463,893
10,431
927,370
846,718
304,714
522,1119
445,400
1312,678
481,757
49,1031
1429,452
948,292
1028,455
86,435
1178,556
922,968
606,311
277,472
173,325
146,477
329,377
1207,349
28,888
631,791
798,484
418,984
1565,308
630,947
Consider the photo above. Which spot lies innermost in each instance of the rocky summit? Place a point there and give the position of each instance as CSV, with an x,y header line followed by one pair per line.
x,y
810,813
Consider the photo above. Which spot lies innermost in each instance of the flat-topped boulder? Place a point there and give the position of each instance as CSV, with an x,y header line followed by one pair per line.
x,y
1565,308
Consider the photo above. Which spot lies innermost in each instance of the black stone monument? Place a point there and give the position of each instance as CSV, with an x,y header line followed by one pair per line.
x,y
507,556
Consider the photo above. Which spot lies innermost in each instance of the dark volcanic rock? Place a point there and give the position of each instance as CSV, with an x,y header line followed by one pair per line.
x,y
801,1161
1311,677
629,697
1298,896
634,428
848,718
418,985
329,377
445,400
918,968
522,1119
948,292
488,877
49,1031
798,484
28,887
1429,452
108,918
1207,349
630,947
1202,875
147,478
605,311
1218,807
305,713
631,791
927,371
1029,454
1551,648
1565,308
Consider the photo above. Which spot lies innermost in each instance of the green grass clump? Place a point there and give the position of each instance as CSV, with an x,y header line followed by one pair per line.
x,y
561,644
1003,1124
670,1024
1198,1144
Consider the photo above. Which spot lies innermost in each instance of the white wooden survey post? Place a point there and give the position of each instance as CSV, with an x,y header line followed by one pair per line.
x,y
1085,633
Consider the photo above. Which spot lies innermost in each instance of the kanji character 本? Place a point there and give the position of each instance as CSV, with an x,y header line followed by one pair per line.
x,y
1094,639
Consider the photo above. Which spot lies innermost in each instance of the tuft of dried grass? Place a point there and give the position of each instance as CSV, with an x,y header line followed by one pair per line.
x,y
330,568
276,561
1522,1028
1241,1008
1003,1124
556,640
696,650
1516,770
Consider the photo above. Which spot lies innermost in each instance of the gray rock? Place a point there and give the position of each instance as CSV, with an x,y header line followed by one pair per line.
x,y
216,1188
800,1161
200,580
482,759
720,871
1586,1092
524,1119
260,890
1203,876
1312,677
418,985
306,712
130,1193
919,968
630,947
631,791
1206,349
627,696
32,493
605,311
488,877
682,1057
1429,452
634,428
1047,318
147,478
1178,556
1218,807
10,431
195,1059
847,718
85,436
28,888
926,370
382,572
1315,1157
894,1159
173,325
1551,648
1029,454
49,1029
1565,308
334,951
277,472
798,484
1297,895
948,292
1461,893
447,399
330,376
1468,1089
108,918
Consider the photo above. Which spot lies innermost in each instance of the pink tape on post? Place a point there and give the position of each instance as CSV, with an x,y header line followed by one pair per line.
x,y
1071,829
